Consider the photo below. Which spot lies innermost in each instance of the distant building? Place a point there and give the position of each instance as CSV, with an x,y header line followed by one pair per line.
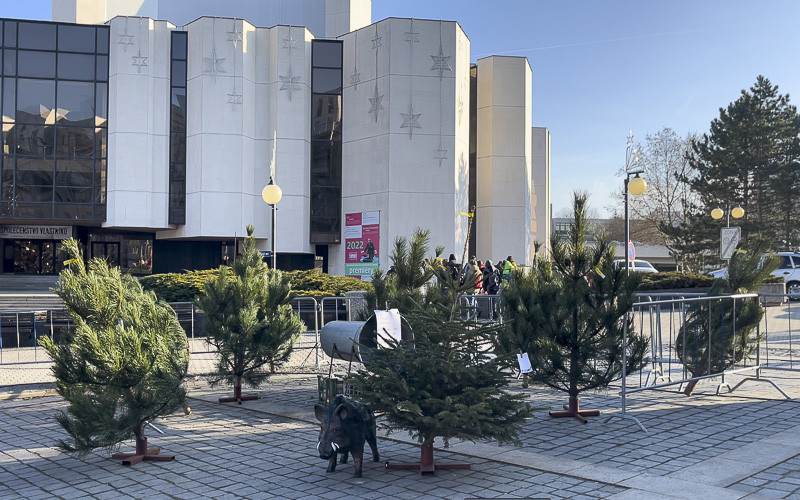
x,y
147,129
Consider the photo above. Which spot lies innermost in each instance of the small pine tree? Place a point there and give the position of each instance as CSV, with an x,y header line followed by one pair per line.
x,y
707,343
249,320
444,384
568,316
123,364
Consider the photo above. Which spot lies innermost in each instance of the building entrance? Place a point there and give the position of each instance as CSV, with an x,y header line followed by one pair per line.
x,y
33,256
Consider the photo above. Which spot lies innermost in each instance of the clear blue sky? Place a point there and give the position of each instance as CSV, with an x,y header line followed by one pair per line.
x,y
601,68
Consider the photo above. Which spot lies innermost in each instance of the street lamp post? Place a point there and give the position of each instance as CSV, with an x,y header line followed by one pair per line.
x,y
272,194
635,186
728,242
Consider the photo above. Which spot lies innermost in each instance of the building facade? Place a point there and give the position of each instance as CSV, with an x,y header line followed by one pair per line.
x,y
150,140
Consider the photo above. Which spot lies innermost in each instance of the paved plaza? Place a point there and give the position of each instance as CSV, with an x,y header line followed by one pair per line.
x,y
740,445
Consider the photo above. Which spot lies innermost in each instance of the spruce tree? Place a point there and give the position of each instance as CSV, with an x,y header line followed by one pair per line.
x,y
123,364
707,342
568,315
444,384
249,320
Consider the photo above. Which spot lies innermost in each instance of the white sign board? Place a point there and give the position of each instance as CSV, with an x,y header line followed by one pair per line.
x,y
36,232
728,241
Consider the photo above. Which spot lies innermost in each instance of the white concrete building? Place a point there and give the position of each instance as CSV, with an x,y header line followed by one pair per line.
x,y
156,147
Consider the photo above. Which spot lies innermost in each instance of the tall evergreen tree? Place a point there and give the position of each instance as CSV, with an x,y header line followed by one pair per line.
x,y
707,342
444,384
568,316
249,320
122,366
752,157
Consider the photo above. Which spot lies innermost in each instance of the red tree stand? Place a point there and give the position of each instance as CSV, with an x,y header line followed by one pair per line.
x,y
237,394
426,465
142,453
573,410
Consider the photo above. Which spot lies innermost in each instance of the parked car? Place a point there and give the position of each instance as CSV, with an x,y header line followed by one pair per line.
x,y
640,266
789,270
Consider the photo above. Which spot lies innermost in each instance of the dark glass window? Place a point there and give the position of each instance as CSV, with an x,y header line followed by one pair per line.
x,y
101,142
102,39
9,99
326,142
40,36
76,38
327,54
177,150
37,64
327,81
35,140
179,45
75,142
178,73
10,34
101,104
101,70
75,66
35,101
54,121
9,62
76,101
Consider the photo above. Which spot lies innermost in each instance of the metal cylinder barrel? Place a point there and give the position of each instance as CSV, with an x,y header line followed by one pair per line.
x,y
348,337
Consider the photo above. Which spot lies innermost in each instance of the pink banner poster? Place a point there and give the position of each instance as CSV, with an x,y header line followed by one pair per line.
x,y
362,244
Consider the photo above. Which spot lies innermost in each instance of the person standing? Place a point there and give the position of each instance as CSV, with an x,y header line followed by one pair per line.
x,y
509,267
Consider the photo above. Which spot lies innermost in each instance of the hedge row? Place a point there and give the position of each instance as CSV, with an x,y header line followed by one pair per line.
x,y
674,279
184,287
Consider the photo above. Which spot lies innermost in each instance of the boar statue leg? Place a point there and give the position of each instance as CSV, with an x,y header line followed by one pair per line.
x,y
373,440
343,459
331,464
358,460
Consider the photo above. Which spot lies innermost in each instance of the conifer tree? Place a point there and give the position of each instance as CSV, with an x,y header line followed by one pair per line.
x,y
122,366
249,320
568,316
707,343
444,384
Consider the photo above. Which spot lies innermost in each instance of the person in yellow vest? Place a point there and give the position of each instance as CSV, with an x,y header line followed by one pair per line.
x,y
510,265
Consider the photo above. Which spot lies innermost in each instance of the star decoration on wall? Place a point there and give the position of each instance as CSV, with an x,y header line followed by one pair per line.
x,y
234,99
139,61
412,36
290,82
375,103
235,36
441,62
376,42
410,120
290,42
125,39
440,154
214,64
355,78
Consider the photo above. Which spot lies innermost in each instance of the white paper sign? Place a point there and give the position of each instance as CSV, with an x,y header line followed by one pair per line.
x,y
388,323
524,363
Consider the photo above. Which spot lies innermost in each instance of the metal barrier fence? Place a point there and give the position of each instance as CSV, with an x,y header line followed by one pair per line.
x,y
687,339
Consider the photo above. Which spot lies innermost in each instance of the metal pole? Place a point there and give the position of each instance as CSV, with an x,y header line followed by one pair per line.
x,y
274,235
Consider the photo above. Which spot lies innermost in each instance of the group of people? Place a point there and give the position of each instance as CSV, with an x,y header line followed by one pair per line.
x,y
486,276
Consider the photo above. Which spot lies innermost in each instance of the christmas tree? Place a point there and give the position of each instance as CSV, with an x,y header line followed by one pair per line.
x,y
123,364
707,343
249,320
568,316
445,383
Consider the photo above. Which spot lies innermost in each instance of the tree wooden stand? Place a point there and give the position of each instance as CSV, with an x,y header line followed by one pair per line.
x,y
573,410
237,396
142,453
426,465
